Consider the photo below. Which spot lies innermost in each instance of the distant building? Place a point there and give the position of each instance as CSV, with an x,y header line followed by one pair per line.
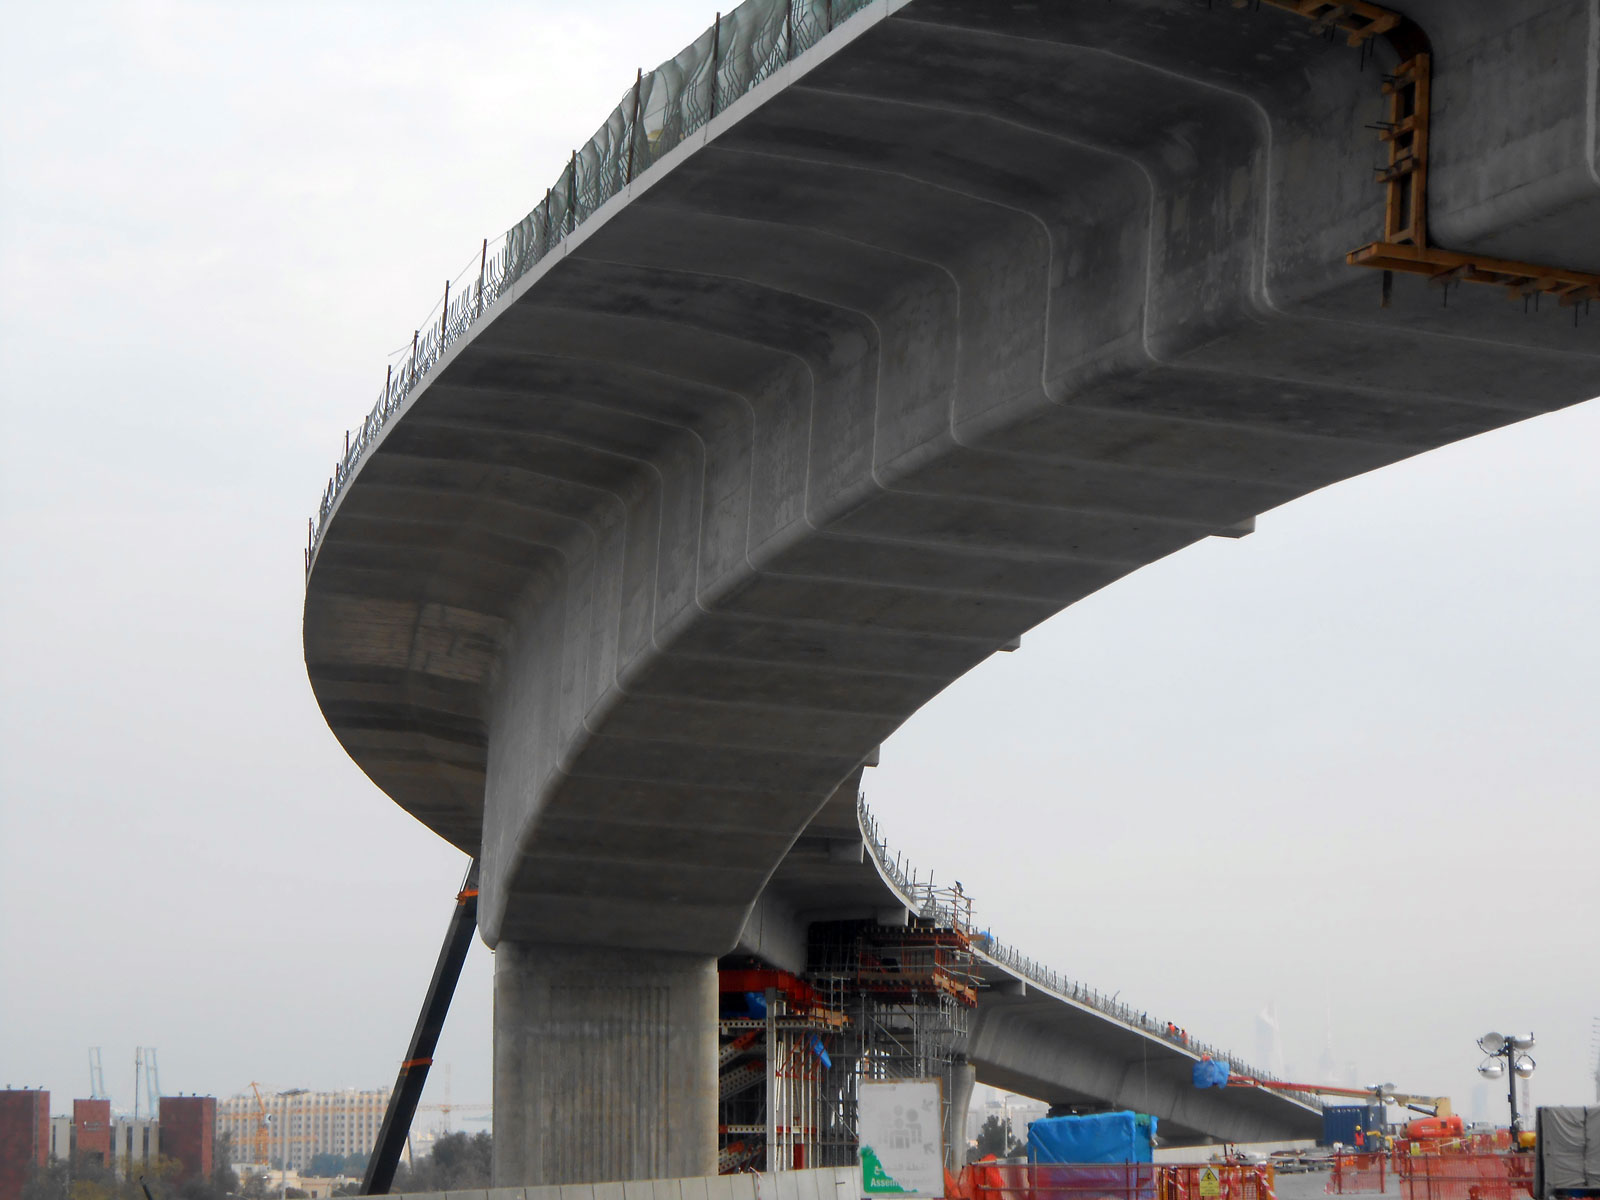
x,y
1013,1110
134,1142
188,1134
91,1129
303,1124
61,1138
24,1137
123,1143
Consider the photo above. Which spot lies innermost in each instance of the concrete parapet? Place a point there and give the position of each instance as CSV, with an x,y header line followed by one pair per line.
x,y
826,1183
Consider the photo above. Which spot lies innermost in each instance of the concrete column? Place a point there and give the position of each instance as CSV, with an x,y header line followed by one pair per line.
x,y
605,1065
962,1077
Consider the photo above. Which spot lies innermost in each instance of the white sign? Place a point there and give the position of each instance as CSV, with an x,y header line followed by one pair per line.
x,y
902,1138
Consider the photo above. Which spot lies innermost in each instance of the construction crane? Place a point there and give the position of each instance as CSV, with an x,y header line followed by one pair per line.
x,y
144,1065
445,1109
152,1082
1378,1093
258,1141
97,1076
1438,1121
445,1106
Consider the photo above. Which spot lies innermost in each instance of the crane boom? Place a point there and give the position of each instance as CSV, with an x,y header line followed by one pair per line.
x,y
1275,1085
1433,1106
97,1076
259,1141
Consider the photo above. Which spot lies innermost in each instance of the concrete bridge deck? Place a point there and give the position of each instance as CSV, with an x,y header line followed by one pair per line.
x,y
956,317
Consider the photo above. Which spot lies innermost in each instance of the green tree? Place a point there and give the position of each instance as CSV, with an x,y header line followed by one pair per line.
x,y
88,1177
224,1179
458,1161
331,1166
995,1138
325,1165
48,1181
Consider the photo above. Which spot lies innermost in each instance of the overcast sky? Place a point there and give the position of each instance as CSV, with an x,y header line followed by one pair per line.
x,y
1347,766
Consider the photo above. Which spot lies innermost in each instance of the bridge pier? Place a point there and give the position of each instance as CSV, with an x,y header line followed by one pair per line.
x,y
605,1065
962,1076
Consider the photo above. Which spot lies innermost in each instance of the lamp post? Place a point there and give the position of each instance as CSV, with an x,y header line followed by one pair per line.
x,y
1517,1064
1005,1107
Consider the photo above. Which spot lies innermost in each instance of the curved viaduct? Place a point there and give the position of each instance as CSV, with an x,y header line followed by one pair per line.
x,y
1033,1032
963,314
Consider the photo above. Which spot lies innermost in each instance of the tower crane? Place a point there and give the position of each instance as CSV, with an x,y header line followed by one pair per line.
x,y
258,1140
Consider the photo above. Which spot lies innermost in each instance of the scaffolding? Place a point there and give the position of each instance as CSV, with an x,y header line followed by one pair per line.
x,y
876,1002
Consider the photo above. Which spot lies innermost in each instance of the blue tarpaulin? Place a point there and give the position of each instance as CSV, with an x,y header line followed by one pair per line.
x,y
1211,1072
1116,1137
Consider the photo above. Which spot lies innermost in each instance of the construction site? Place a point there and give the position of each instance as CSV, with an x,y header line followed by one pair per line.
x,y
875,1003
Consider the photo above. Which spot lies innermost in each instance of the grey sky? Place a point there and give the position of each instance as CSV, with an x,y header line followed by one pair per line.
x,y
1347,765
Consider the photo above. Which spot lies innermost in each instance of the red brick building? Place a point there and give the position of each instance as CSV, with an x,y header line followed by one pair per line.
x,y
91,1128
188,1134
24,1138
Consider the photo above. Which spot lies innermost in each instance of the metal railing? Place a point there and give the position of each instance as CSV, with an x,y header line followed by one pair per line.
x,y
663,107
923,898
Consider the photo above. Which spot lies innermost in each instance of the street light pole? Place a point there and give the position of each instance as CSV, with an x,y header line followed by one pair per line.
x,y
1518,1065
1511,1099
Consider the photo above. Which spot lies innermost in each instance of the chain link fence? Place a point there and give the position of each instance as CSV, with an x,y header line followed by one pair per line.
x,y
663,107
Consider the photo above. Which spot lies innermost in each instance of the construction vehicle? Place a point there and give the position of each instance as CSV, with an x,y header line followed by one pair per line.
x,y
1437,1107
1439,1120
1428,1106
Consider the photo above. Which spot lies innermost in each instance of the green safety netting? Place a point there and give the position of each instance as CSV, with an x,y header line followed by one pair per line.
x,y
663,107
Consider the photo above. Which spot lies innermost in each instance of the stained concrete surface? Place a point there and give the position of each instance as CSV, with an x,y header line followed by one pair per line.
x,y
959,318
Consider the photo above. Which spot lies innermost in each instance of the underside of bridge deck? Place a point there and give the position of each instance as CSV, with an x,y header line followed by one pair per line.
x,y
961,316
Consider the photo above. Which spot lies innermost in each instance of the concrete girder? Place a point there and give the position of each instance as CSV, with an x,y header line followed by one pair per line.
x,y
1024,1037
1040,1046
896,365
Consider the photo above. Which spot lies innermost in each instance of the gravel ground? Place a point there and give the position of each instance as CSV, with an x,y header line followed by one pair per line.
x,y
1311,1185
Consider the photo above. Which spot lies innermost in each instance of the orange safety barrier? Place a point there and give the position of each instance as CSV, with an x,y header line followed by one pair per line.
x,y
1225,1181
1065,1181
1472,1143
991,1180
1465,1176
1356,1173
